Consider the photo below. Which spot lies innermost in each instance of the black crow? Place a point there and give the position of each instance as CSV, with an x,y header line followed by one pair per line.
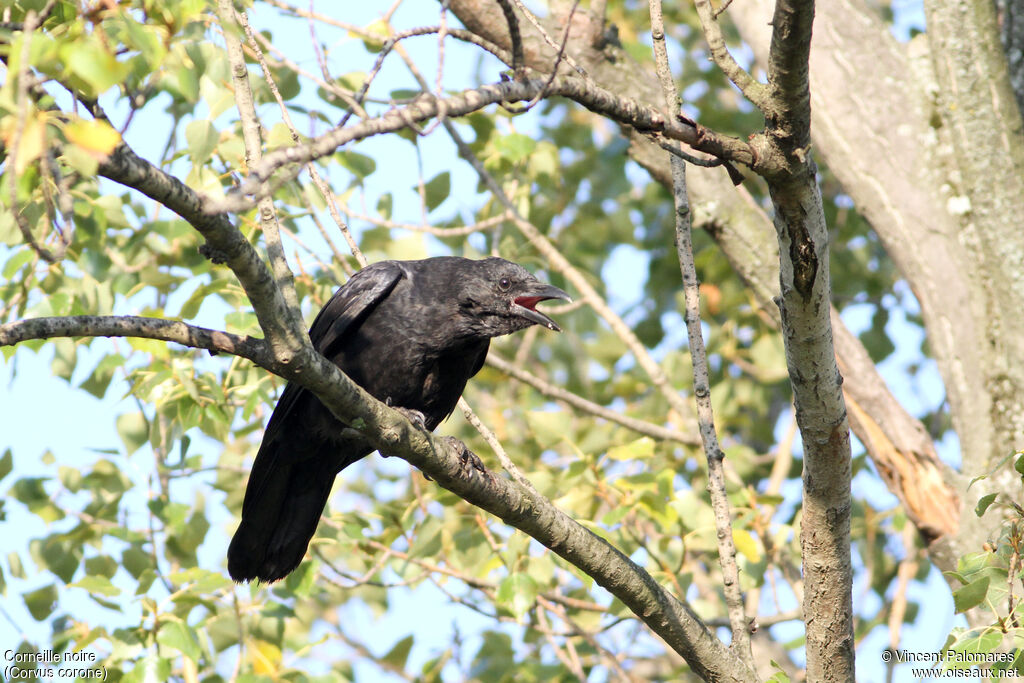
x,y
411,333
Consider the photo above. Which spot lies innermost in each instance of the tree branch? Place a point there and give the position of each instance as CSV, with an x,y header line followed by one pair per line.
x,y
751,89
253,154
622,110
228,245
443,460
576,401
325,191
743,231
740,644
788,106
214,341
804,305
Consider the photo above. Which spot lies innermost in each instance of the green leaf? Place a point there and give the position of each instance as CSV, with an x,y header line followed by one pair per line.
x,y
279,136
975,641
70,477
101,565
177,635
746,544
642,448
14,562
515,147
302,581
548,428
41,602
437,190
202,139
769,356
6,463
971,595
359,164
97,584
65,357
384,205
150,669
133,430
1018,464
615,515
90,61
779,676
30,491
101,376
19,259
428,539
135,560
984,502
517,593
398,655
58,555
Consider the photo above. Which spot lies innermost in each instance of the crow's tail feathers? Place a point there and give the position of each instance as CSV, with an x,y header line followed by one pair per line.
x,y
288,488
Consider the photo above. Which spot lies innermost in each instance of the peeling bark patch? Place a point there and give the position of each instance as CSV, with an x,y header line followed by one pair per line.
x,y
805,260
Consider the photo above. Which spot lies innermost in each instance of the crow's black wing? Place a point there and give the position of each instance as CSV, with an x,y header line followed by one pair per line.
x,y
352,303
346,310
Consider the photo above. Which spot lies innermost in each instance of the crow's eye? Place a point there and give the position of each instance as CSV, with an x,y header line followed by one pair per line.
x,y
504,284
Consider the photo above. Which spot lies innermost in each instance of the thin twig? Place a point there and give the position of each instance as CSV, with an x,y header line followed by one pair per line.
x,y
283,276
576,401
321,185
701,383
756,92
492,440
696,161
554,69
175,331
518,64
555,257
481,226
32,20
532,18
458,33
599,100
343,94
582,283
904,573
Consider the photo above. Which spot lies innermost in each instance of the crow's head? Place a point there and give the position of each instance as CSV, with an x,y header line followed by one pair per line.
x,y
498,297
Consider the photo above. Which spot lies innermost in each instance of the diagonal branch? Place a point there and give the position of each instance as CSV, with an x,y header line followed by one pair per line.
x,y
751,89
321,185
228,244
443,460
559,394
601,101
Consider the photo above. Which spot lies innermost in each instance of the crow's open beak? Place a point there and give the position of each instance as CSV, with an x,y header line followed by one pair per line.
x,y
525,305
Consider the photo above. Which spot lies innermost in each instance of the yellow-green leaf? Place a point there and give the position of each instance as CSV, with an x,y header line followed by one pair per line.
x,y
96,138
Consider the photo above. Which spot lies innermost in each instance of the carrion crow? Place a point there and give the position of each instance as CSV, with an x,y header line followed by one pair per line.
x,y
411,333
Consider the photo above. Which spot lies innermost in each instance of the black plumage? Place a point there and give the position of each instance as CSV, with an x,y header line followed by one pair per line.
x,y
411,333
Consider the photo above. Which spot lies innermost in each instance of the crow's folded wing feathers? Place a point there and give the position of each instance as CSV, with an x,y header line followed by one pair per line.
x,y
352,303
346,309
